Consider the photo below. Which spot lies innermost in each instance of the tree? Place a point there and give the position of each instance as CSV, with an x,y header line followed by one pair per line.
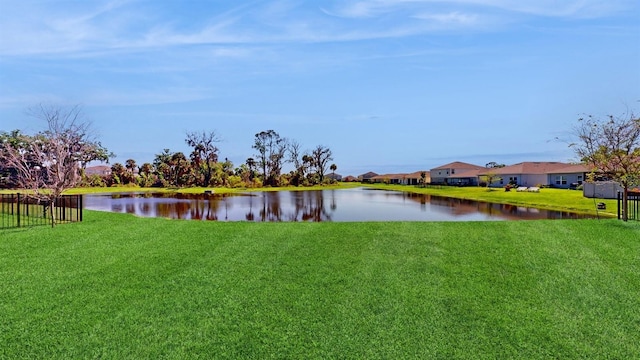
x,y
131,165
611,148
50,162
295,151
333,169
204,154
423,178
15,139
162,165
321,156
271,152
179,169
493,164
251,164
489,178
147,178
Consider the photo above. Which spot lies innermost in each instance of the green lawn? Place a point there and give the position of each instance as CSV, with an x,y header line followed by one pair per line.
x,y
550,199
547,198
116,286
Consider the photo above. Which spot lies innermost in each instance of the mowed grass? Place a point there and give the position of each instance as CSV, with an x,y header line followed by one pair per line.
x,y
546,198
116,286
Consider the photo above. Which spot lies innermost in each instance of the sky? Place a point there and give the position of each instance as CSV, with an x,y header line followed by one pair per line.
x,y
388,85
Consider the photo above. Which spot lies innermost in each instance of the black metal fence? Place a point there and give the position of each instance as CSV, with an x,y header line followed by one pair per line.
x,y
633,205
19,210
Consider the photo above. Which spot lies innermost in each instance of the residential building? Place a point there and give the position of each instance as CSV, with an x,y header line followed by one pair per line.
x,y
564,177
529,174
366,177
448,174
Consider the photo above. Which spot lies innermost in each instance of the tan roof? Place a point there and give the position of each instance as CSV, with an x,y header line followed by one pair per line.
x,y
575,168
467,174
459,165
389,176
413,175
367,175
417,174
530,167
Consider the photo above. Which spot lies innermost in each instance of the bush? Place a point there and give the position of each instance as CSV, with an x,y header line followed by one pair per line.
x,y
235,181
94,180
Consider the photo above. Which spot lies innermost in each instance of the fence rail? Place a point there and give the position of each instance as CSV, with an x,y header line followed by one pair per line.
x,y
633,205
19,210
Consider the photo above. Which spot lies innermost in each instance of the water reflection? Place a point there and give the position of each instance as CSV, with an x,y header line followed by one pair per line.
x,y
315,206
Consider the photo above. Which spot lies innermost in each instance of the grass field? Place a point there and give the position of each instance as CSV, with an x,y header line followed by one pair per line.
x,y
547,198
117,286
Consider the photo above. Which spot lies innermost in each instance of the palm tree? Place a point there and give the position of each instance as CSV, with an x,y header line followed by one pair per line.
x,y
251,163
130,164
333,169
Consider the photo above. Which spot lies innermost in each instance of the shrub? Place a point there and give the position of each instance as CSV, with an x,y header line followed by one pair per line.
x,y
235,181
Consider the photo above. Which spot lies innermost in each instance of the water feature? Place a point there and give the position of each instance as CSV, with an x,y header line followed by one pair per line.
x,y
360,204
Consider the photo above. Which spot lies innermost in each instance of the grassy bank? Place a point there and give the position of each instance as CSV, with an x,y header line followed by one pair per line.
x,y
117,286
550,199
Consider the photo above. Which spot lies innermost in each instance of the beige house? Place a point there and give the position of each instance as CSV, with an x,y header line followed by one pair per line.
x,y
449,174
530,174
413,178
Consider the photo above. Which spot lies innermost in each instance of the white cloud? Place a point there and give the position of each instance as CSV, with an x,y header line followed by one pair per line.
x,y
453,17
96,28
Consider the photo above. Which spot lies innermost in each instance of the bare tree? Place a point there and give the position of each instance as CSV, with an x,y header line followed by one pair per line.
x,y
296,158
611,148
321,156
205,153
271,154
50,162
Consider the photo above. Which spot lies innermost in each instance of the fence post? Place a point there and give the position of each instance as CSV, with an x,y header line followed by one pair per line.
x,y
18,210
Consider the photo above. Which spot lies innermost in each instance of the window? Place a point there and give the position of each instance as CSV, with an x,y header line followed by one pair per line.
x,y
561,180
453,171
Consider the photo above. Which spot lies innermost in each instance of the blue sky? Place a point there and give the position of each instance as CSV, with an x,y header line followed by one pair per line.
x,y
388,85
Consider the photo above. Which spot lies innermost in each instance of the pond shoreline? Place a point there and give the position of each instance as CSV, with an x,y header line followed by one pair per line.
x,y
546,199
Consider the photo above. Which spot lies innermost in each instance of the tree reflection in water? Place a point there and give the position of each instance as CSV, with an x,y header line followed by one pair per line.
x,y
315,206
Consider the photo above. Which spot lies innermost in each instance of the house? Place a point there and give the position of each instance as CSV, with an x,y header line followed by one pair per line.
x,y
564,177
465,178
415,178
102,170
531,173
333,176
447,174
388,178
366,177
349,178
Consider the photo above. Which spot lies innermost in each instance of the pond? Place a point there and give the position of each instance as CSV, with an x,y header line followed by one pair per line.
x,y
358,204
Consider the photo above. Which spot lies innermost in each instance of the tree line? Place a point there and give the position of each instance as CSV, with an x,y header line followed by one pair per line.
x,y
33,161
202,166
